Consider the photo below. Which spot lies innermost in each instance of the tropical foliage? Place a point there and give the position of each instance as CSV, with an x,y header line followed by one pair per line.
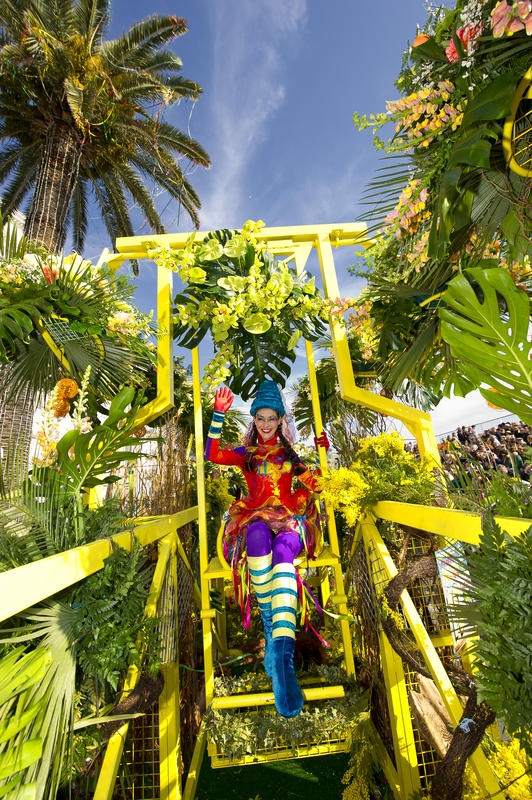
x,y
19,672
447,202
77,116
95,630
85,312
499,594
256,307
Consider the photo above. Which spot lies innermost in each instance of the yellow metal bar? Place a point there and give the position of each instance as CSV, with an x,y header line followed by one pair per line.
x,y
404,744
340,234
478,760
400,720
221,619
24,586
386,762
206,612
349,391
267,698
451,523
113,753
164,399
195,765
169,708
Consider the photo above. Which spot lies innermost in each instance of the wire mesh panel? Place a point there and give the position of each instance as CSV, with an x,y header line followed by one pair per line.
x,y
281,751
185,594
140,769
166,616
139,773
429,600
370,650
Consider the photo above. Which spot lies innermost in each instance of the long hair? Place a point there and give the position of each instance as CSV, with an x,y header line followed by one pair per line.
x,y
289,452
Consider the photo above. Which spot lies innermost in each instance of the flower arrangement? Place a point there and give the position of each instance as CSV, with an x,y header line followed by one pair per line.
x,y
255,306
510,765
104,300
382,470
54,421
460,206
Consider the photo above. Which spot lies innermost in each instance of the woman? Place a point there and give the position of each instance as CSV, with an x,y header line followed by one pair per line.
x,y
270,527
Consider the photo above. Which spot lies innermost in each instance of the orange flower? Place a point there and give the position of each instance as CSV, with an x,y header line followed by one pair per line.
x,y
420,39
61,407
67,388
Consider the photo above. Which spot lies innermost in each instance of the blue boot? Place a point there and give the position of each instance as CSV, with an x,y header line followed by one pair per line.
x,y
286,690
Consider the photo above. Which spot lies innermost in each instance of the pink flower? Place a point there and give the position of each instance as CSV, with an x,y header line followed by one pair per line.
x,y
524,8
514,26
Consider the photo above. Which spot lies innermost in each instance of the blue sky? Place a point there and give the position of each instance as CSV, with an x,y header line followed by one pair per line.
x,y
281,80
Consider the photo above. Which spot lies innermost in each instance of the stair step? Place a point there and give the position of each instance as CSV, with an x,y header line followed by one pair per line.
x,y
267,699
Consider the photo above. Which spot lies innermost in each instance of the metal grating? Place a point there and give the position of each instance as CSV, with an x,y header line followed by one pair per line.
x,y
139,773
166,617
139,777
369,645
185,594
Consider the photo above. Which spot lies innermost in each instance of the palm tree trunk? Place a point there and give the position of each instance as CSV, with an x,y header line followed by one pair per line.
x,y
16,418
58,173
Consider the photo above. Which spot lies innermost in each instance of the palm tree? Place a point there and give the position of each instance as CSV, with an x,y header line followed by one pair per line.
x,y
77,113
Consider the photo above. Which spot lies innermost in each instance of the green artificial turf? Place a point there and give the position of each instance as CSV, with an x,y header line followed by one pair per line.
x,y
318,778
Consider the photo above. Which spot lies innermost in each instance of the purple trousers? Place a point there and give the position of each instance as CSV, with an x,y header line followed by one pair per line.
x,y
284,546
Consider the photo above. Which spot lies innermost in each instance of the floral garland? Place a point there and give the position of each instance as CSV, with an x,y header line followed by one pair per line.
x,y
239,291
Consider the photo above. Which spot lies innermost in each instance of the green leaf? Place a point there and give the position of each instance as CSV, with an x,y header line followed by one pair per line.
x,y
310,287
257,323
293,340
197,275
474,150
490,338
19,758
428,51
10,727
492,102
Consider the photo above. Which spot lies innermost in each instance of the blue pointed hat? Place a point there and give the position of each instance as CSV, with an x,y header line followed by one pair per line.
x,y
268,396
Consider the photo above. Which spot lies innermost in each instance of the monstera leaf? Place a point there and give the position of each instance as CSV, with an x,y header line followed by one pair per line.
x,y
486,322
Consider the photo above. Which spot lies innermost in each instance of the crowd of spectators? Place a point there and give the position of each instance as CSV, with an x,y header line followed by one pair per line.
x,y
507,448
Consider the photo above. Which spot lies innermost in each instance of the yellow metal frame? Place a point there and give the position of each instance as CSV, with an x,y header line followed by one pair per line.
x,y
164,399
32,583
523,90
294,243
25,586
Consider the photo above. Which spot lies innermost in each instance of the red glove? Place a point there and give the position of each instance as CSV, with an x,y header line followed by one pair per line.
x,y
322,441
223,399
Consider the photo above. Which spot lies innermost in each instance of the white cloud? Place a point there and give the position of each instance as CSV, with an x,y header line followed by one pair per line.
x,y
247,91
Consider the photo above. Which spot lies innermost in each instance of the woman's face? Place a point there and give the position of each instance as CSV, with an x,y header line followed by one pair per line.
x,y
267,421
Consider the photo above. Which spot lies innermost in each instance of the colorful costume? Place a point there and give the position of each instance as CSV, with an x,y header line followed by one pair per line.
x,y
264,533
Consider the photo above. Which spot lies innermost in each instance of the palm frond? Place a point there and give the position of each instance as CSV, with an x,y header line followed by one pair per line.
x,y
52,624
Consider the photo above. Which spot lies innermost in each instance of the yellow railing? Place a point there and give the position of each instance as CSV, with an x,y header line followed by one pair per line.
x,y
32,583
414,762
